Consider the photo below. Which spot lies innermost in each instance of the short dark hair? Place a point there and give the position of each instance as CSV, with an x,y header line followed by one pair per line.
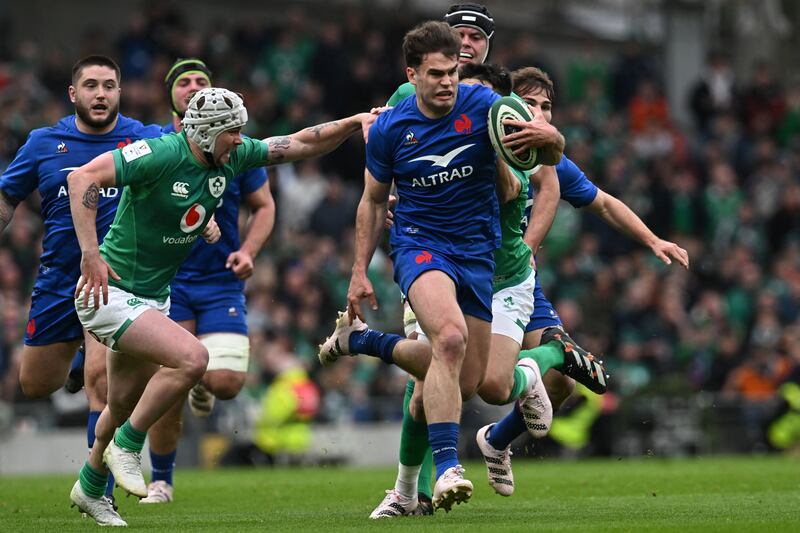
x,y
532,78
497,76
429,38
94,60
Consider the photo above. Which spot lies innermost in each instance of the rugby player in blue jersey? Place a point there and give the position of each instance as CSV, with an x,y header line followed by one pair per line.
x,y
54,332
475,26
545,328
434,146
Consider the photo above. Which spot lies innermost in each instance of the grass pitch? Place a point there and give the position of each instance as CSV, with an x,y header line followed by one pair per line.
x,y
709,494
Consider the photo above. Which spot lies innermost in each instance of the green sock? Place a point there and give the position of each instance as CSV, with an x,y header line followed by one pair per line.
x,y
130,438
425,478
520,384
93,482
547,356
414,442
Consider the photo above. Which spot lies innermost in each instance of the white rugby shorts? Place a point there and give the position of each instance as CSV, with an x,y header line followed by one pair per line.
x,y
512,308
111,320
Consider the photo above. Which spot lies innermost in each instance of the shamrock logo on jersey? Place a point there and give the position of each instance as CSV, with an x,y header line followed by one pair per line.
x,y
216,185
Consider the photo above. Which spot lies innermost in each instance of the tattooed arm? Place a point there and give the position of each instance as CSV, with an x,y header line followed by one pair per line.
x,y
7,206
316,140
84,197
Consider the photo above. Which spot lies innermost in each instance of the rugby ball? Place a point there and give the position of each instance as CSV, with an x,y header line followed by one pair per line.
x,y
512,108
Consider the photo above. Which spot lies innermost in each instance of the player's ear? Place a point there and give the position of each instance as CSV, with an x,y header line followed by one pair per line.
x,y
71,92
411,74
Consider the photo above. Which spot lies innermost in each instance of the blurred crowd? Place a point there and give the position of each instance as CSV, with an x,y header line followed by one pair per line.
x,y
725,188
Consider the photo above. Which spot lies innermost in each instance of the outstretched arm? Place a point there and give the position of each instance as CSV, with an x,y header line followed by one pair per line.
x,y
620,217
545,205
369,224
7,206
316,140
84,197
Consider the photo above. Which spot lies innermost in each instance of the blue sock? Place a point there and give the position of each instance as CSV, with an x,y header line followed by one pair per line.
x,y
90,425
443,437
375,343
163,466
509,428
110,485
78,361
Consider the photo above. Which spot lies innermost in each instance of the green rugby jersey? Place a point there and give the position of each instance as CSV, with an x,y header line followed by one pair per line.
x,y
513,258
167,201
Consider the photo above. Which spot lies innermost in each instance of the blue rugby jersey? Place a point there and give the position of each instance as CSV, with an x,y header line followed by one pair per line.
x,y
444,170
43,163
576,188
206,262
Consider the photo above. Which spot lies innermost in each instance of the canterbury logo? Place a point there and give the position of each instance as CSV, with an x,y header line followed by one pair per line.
x,y
443,160
180,189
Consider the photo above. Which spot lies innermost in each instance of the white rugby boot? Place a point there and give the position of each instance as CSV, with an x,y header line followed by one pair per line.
x,y
127,469
498,464
98,508
394,504
338,344
451,488
537,410
158,492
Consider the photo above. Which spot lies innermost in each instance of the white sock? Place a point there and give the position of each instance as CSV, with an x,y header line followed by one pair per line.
x,y
406,484
532,378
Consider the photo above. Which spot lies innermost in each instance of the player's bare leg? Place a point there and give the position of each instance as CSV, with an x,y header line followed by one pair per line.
x,y
96,377
416,406
44,369
498,380
163,442
224,384
131,377
433,296
155,338
152,338
229,354
96,388
509,379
